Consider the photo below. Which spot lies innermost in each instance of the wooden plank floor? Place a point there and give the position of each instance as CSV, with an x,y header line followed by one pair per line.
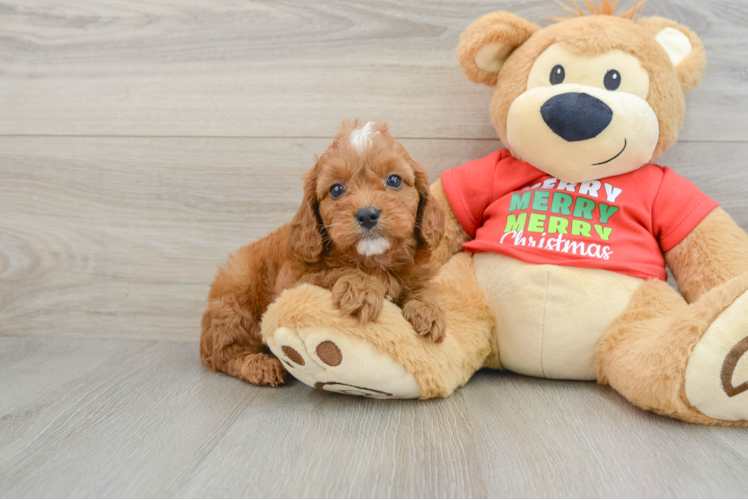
x,y
141,142
114,418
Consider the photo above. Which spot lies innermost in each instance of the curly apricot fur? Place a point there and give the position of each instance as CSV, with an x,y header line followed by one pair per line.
x,y
320,246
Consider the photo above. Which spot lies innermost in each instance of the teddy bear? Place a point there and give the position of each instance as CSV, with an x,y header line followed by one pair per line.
x,y
555,249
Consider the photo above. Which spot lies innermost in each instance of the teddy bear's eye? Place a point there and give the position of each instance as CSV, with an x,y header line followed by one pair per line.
x,y
557,74
612,80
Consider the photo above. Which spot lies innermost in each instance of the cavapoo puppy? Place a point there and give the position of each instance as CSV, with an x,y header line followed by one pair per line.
x,y
365,230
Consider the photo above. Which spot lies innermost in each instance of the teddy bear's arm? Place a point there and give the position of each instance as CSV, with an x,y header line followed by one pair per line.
x,y
714,252
454,234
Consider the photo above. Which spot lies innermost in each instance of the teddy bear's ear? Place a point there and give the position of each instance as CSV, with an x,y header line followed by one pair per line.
x,y
682,45
486,44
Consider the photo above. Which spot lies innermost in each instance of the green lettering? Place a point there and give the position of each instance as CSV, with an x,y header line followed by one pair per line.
x,y
558,225
537,223
540,201
606,212
603,232
561,203
583,207
581,228
514,223
520,201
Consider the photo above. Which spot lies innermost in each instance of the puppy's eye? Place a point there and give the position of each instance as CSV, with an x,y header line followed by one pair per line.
x,y
558,73
394,181
612,80
337,190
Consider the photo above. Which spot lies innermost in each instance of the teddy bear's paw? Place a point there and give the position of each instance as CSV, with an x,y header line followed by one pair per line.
x,y
326,359
717,371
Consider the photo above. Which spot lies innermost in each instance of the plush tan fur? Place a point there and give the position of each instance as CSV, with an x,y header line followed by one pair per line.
x,y
713,253
469,344
549,318
454,234
645,352
590,35
692,67
503,28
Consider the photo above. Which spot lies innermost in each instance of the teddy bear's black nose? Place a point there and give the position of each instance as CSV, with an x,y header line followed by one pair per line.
x,y
367,217
575,116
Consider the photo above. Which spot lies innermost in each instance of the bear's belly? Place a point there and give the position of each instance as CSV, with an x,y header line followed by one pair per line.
x,y
549,318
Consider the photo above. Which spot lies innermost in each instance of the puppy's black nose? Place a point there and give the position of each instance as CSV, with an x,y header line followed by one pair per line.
x,y
576,116
367,217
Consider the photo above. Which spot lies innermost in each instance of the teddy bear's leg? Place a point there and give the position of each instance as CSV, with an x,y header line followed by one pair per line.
x,y
687,361
327,349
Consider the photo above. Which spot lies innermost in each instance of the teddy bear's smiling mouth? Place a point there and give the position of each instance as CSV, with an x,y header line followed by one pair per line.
x,y
616,156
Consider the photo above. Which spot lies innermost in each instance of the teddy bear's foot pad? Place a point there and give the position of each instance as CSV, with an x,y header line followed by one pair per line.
x,y
325,359
717,371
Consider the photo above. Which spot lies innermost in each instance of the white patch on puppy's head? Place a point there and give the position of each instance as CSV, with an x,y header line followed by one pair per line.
x,y
361,137
373,246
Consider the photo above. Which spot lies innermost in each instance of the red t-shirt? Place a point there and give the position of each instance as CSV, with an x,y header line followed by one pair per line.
x,y
622,223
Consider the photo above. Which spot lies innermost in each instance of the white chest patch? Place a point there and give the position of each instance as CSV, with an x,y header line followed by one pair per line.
x,y
373,246
361,137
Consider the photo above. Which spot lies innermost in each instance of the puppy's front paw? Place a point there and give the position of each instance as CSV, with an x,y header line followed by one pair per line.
x,y
358,297
428,319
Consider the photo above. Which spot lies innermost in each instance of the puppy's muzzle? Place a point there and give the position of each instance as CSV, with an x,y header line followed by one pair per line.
x,y
367,217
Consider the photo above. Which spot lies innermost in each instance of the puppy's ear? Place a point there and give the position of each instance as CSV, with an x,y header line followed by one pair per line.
x,y
305,236
487,43
684,48
430,217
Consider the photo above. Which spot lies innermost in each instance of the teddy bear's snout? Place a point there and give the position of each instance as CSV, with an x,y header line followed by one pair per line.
x,y
576,116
